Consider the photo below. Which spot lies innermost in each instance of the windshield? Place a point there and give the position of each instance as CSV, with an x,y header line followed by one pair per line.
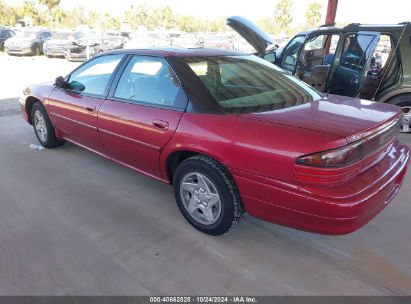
x,y
26,34
244,84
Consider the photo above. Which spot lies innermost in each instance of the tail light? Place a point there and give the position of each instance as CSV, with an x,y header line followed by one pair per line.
x,y
333,158
340,164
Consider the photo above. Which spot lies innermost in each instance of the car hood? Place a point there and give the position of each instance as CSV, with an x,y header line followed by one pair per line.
x,y
337,115
255,36
17,41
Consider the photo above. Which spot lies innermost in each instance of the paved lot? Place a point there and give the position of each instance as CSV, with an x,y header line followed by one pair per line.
x,y
74,223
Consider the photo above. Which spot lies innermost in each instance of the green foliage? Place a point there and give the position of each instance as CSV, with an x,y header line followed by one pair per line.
x,y
146,16
8,14
282,16
313,15
50,4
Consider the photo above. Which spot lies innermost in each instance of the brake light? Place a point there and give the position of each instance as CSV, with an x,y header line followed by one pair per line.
x,y
352,152
333,158
337,166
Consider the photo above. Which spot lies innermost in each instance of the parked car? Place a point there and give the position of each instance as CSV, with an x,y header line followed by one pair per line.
x,y
5,34
186,41
27,42
231,133
116,39
55,46
339,60
90,45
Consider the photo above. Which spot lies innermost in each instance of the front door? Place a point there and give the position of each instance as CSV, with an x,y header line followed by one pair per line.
x,y
142,113
74,111
348,77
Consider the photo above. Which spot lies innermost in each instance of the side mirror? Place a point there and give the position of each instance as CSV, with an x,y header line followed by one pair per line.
x,y
270,57
61,83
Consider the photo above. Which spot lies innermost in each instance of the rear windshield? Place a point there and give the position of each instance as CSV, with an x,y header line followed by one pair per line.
x,y
249,84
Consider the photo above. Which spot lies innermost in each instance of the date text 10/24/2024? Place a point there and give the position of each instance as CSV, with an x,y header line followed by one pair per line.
x,y
204,299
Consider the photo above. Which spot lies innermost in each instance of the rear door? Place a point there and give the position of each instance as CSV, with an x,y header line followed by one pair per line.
x,y
142,112
348,77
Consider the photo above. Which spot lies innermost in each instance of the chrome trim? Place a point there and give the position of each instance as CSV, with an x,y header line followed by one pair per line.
x,y
74,121
134,141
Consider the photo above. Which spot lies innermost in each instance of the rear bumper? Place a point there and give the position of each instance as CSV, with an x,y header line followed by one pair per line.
x,y
337,210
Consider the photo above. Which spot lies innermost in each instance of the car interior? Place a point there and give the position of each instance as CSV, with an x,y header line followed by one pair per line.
x,y
316,59
148,81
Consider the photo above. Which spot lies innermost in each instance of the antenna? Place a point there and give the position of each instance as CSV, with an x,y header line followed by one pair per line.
x,y
389,62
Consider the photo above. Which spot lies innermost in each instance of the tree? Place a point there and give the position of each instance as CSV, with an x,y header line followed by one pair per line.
x,y
50,4
8,15
313,14
282,16
29,10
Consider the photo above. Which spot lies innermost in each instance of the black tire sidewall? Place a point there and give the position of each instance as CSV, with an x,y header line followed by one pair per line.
x,y
225,220
401,100
51,141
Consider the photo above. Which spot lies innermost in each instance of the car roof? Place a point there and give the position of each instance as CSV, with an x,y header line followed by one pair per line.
x,y
179,52
358,27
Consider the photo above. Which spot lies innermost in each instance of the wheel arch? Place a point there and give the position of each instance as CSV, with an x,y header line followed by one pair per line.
x,y
176,157
30,101
394,94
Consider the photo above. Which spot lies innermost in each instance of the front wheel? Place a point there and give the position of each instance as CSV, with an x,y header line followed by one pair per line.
x,y
43,128
207,195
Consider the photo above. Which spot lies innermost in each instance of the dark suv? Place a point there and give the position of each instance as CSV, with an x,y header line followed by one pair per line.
x,y
5,34
366,61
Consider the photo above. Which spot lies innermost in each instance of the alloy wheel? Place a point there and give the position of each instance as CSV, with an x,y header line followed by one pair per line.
x,y
40,126
200,198
406,119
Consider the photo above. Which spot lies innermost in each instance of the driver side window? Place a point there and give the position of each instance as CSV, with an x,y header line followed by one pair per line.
x,y
93,77
289,58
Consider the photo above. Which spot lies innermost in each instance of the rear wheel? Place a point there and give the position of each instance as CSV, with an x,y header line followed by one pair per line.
x,y
404,101
43,128
206,195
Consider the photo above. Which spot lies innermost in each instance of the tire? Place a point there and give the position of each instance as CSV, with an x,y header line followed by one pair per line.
x,y
217,217
36,50
404,101
44,130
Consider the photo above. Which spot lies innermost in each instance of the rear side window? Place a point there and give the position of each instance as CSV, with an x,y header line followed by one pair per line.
x,y
151,81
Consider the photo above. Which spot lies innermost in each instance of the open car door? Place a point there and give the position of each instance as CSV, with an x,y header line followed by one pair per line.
x,y
348,77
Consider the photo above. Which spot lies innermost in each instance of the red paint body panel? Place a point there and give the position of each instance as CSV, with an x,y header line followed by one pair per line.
x,y
337,210
75,117
132,134
333,115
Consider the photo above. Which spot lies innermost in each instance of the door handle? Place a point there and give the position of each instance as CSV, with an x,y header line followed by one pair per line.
x,y
354,81
160,124
90,109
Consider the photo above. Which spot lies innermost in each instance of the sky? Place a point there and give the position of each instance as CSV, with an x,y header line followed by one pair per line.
x,y
363,11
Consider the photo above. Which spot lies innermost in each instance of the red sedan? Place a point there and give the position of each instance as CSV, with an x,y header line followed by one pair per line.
x,y
232,134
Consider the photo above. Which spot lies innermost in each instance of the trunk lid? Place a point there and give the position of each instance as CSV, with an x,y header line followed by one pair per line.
x,y
251,32
342,116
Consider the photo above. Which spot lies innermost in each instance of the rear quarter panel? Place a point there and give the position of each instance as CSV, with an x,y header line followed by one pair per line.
x,y
259,148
